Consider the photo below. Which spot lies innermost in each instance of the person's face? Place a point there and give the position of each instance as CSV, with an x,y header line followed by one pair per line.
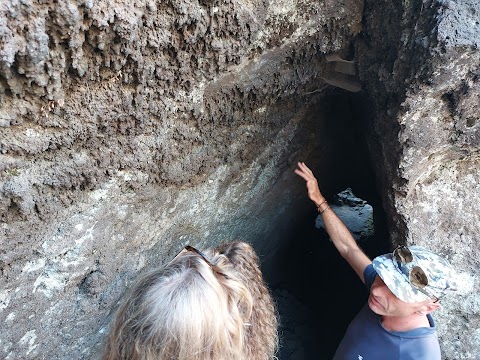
x,y
383,302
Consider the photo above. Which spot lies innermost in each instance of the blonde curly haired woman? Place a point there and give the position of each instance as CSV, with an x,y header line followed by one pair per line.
x,y
203,306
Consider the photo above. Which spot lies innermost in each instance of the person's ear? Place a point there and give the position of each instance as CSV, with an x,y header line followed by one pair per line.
x,y
433,306
428,308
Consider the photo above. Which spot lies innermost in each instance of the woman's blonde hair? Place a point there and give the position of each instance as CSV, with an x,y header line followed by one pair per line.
x,y
212,308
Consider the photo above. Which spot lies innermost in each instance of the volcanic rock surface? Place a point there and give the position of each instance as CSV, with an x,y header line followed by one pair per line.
x,y
129,129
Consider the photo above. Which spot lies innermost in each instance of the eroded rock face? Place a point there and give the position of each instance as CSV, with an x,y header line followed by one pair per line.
x,y
132,128
129,130
428,99
355,213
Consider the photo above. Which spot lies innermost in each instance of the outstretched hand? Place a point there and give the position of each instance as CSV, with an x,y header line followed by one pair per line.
x,y
336,229
312,185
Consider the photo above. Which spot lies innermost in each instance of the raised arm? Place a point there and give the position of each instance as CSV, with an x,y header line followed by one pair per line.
x,y
336,229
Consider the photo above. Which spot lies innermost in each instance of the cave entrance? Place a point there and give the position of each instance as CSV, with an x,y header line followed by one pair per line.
x,y
316,291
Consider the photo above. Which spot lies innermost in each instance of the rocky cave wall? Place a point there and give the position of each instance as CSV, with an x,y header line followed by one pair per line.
x,y
129,130
423,79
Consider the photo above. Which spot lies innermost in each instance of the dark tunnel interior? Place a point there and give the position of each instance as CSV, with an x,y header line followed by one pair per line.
x,y
316,292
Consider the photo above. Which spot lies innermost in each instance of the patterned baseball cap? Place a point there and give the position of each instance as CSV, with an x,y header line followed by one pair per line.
x,y
438,276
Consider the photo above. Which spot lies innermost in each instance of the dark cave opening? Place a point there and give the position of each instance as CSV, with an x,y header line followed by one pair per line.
x,y
316,291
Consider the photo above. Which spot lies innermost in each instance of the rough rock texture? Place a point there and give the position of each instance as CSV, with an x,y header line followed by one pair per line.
x,y
423,72
355,213
128,129
132,128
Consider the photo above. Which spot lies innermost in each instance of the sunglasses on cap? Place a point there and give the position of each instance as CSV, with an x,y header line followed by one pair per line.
x,y
416,276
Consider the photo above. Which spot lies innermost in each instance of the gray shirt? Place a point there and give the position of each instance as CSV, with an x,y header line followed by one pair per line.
x,y
367,339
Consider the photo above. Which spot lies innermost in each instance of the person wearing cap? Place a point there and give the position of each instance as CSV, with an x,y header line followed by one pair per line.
x,y
405,288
